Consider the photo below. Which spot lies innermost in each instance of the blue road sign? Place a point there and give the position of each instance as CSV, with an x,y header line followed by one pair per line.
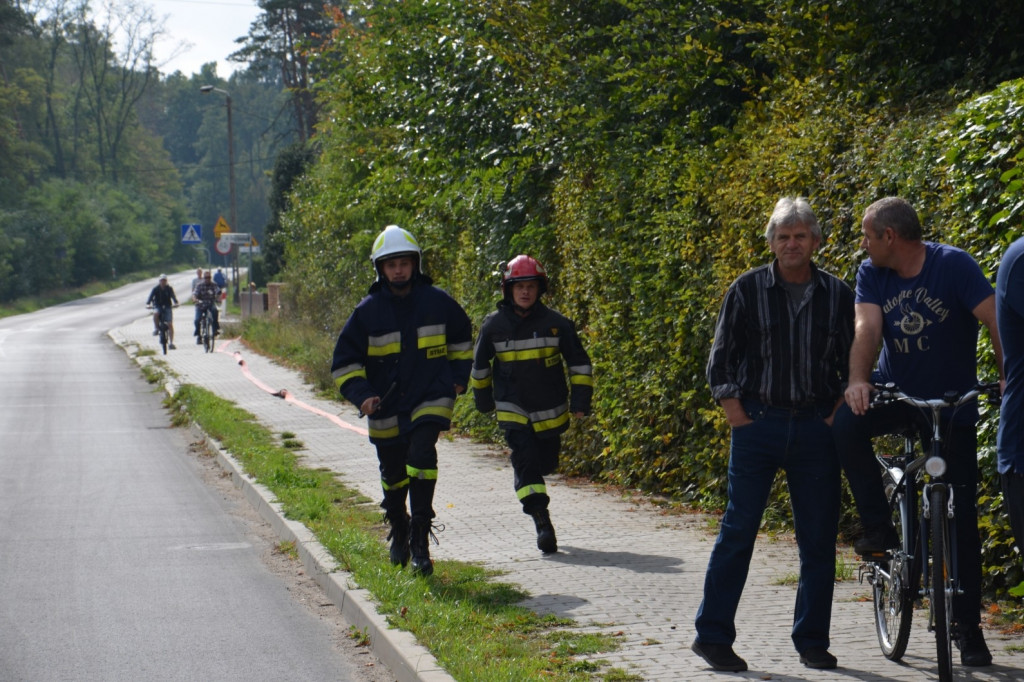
x,y
191,234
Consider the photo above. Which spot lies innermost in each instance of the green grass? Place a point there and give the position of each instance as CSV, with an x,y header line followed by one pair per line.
x,y
469,620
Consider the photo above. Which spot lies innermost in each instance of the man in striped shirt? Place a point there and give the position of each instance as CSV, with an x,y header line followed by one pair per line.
x,y
778,366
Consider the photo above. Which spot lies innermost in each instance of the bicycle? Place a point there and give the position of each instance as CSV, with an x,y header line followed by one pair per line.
x,y
163,329
924,563
206,328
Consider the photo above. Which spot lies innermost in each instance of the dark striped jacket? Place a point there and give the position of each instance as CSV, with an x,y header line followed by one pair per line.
x,y
765,350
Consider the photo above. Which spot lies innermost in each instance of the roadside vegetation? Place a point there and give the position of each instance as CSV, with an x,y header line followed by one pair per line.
x,y
636,149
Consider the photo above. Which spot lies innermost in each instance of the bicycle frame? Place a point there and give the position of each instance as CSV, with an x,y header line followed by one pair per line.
x,y
925,564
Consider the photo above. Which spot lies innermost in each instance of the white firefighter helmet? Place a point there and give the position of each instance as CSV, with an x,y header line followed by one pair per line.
x,y
394,242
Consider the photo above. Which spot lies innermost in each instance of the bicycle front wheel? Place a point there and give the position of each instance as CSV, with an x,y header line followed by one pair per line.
x,y
943,584
892,586
205,334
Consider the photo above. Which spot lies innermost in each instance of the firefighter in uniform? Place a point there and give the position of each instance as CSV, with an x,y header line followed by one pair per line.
x,y
519,371
402,357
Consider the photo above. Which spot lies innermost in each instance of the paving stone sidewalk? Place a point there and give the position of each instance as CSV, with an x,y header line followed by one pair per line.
x,y
622,566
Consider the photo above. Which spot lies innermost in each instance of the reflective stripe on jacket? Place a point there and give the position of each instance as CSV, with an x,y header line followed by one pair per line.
x,y
411,351
519,370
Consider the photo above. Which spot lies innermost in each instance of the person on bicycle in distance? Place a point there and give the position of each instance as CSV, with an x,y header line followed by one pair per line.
x,y
205,295
921,302
403,356
522,356
162,298
777,367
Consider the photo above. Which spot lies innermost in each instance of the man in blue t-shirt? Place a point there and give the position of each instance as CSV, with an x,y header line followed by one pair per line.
x,y
1010,312
921,302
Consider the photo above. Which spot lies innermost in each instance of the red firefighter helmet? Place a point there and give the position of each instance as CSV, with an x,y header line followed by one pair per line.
x,y
520,269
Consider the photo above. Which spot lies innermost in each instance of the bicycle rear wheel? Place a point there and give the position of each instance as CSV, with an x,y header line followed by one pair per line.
x,y
892,586
942,587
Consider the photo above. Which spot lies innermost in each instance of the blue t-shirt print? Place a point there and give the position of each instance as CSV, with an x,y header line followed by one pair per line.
x,y
930,334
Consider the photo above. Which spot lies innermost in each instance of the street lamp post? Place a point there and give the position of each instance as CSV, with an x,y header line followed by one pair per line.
x,y
205,89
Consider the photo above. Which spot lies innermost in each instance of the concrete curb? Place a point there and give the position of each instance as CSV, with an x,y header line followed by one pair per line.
x,y
404,657
397,649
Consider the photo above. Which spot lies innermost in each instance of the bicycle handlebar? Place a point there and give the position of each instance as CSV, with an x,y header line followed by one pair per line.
x,y
889,393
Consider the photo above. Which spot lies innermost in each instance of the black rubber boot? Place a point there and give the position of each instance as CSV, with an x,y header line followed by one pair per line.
x,y
419,544
399,537
546,541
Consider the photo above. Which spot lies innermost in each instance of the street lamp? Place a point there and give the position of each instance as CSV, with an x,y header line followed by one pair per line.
x,y
206,89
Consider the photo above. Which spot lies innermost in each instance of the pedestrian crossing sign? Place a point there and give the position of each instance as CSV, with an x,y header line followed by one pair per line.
x,y
191,234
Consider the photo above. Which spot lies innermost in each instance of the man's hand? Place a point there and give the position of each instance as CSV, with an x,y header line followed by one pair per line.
x,y
370,405
734,412
858,396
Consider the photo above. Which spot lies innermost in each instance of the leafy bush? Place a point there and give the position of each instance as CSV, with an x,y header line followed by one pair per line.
x,y
637,149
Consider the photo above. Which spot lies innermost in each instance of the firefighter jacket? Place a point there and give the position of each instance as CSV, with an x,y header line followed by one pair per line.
x,y
518,370
410,350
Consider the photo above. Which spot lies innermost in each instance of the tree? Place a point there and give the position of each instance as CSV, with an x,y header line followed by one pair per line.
x,y
283,38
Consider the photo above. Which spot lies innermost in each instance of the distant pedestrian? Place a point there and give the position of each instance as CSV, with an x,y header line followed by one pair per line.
x,y
519,369
220,280
1010,316
402,358
777,367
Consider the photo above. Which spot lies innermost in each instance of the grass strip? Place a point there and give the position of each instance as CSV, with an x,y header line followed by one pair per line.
x,y
469,621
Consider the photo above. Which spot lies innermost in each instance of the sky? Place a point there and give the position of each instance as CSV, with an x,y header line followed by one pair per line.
x,y
201,31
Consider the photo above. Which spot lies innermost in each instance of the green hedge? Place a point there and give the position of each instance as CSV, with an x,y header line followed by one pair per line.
x,y
637,149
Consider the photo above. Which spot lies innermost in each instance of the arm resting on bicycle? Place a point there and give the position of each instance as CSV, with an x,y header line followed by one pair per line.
x,y
866,340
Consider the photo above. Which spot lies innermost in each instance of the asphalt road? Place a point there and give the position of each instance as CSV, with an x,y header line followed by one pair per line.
x,y
117,560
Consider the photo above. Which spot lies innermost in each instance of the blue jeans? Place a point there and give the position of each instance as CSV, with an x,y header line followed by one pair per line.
x,y
214,316
1013,498
801,444
853,435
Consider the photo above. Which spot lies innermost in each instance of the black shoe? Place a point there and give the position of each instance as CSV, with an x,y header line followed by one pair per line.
x,y
546,541
399,537
877,541
172,347
419,545
819,658
720,657
199,341
156,332
973,650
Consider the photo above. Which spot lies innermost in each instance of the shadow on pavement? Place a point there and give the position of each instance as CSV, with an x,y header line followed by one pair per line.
x,y
638,563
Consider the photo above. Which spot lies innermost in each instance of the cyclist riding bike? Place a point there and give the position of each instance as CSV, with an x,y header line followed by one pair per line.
x,y
205,295
162,299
